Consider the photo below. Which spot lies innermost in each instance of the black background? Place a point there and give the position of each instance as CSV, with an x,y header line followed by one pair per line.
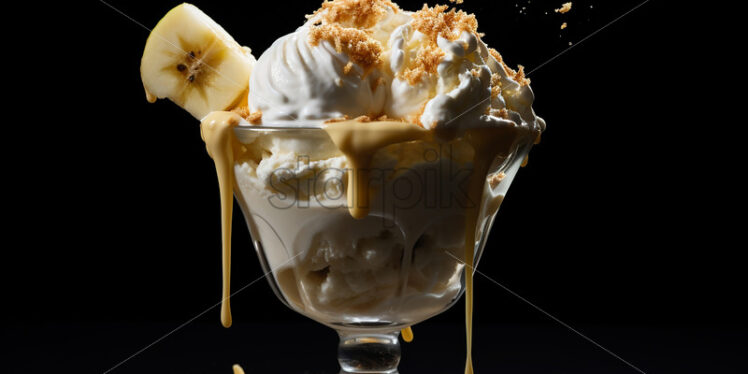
x,y
627,222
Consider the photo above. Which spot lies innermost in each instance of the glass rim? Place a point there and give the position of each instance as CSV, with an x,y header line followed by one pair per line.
x,y
305,126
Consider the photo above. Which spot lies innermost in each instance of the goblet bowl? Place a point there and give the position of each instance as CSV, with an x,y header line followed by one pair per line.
x,y
402,263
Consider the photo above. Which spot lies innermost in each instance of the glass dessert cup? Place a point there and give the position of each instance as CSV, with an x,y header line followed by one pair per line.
x,y
367,278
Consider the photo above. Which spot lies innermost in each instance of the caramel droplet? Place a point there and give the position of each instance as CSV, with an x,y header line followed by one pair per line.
x,y
407,334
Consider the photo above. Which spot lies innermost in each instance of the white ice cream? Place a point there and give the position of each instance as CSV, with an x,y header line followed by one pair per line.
x,y
297,81
294,80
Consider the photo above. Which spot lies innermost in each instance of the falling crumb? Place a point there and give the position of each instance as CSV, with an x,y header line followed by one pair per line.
x,y
496,179
456,1
565,7
569,43
563,25
255,118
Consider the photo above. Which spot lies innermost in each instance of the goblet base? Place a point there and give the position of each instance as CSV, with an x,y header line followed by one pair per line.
x,y
368,352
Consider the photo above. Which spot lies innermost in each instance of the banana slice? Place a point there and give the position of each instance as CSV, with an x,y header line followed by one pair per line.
x,y
195,63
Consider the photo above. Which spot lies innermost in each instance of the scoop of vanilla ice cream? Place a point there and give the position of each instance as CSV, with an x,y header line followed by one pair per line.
x,y
301,78
294,80
459,91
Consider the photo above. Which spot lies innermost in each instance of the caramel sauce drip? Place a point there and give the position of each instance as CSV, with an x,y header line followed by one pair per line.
x,y
359,141
407,334
488,143
217,130
150,97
